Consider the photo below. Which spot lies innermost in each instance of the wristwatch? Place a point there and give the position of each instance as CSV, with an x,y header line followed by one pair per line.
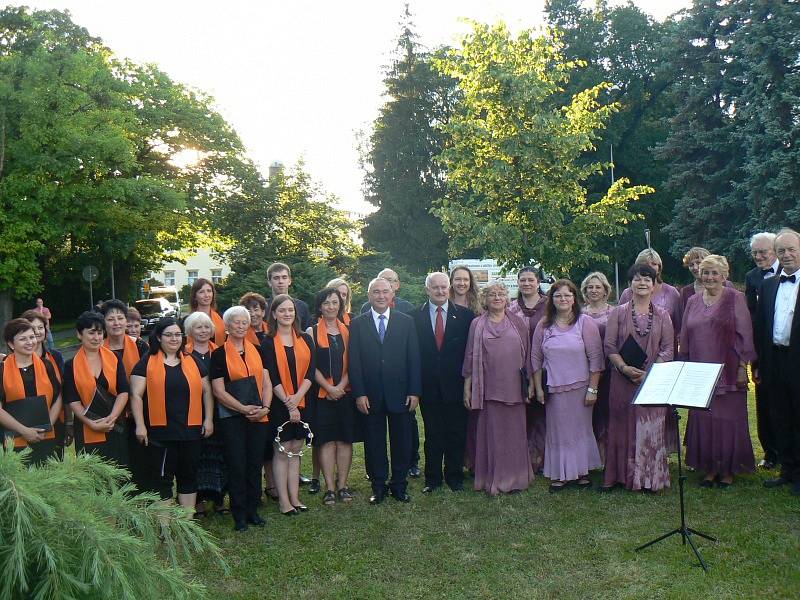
x,y
592,390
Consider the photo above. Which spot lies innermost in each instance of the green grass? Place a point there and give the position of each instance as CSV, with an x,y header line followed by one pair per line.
x,y
577,544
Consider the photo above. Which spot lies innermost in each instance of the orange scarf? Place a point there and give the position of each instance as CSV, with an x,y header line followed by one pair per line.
x,y
14,388
156,390
219,327
189,346
253,338
251,365
302,360
347,319
57,371
322,342
86,384
130,353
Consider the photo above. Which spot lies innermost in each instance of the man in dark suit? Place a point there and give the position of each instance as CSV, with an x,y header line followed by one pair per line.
x,y
279,278
384,373
762,249
442,330
777,333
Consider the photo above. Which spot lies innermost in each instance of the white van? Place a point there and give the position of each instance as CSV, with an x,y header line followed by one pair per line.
x,y
170,293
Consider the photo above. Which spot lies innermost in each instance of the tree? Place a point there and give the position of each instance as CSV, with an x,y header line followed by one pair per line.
x,y
402,178
513,160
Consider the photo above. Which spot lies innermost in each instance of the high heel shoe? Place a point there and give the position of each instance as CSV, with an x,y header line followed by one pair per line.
x,y
301,507
290,513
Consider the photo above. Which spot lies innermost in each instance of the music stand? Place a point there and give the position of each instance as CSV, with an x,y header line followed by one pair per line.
x,y
687,385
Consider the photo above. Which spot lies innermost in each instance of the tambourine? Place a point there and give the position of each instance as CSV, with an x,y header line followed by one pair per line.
x,y
309,439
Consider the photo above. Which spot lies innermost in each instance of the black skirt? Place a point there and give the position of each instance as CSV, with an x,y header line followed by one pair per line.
x,y
278,415
336,421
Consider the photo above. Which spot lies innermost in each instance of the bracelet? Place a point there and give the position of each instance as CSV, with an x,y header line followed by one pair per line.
x,y
592,390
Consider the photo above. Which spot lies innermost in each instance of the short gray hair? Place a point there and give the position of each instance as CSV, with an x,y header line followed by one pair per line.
x,y
233,312
376,280
765,236
195,319
430,276
787,231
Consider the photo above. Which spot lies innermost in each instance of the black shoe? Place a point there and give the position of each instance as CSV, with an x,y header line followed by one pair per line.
x,y
430,488
290,513
304,480
377,497
766,464
301,508
240,526
777,482
401,497
707,483
414,471
795,489
257,520
456,487
313,487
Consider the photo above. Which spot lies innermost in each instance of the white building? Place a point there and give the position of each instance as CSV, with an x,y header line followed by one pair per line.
x,y
201,264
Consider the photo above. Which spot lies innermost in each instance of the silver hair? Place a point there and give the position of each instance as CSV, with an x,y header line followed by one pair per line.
x,y
762,236
376,280
235,311
433,274
195,319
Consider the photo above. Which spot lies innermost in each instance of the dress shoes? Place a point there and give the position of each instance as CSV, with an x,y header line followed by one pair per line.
x,y
290,513
401,497
777,482
240,526
377,497
456,487
430,488
256,520
304,480
766,464
314,487
301,508
414,472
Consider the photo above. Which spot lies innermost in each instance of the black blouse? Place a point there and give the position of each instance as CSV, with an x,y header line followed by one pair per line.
x,y
71,391
330,360
219,365
271,362
29,381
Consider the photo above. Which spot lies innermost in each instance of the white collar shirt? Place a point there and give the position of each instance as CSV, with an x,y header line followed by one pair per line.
x,y
432,311
376,317
785,302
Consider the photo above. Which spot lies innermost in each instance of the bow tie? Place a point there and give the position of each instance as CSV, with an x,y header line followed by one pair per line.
x,y
789,278
765,271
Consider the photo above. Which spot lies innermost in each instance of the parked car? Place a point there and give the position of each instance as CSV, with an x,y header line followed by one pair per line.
x,y
170,294
152,310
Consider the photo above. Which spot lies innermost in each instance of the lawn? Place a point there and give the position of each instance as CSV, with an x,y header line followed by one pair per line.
x,y
577,544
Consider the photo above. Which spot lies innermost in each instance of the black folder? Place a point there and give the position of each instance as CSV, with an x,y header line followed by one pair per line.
x,y
31,411
632,353
245,390
101,407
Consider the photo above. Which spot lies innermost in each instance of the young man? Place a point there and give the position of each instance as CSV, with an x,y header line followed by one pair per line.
x,y
279,278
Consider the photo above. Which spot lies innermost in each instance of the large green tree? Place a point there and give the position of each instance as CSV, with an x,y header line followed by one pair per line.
x,y
514,155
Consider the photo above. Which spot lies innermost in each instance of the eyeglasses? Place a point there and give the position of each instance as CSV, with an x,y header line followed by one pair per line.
x,y
759,252
496,295
174,335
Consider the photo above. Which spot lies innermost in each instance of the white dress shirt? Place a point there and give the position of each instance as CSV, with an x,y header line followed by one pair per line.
x,y
432,310
375,318
776,266
785,301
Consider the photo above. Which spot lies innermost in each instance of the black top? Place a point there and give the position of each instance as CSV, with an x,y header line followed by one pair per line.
x,y
330,361
219,365
71,392
271,363
302,312
29,380
57,356
204,359
141,346
177,403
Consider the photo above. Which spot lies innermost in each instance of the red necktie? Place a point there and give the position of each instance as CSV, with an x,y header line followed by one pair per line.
x,y
439,331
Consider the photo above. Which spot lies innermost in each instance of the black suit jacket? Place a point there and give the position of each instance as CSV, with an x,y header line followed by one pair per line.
x,y
764,321
385,373
441,369
752,289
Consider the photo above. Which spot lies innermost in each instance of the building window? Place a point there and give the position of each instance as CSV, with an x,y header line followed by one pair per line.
x,y
192,276
169,278
216,276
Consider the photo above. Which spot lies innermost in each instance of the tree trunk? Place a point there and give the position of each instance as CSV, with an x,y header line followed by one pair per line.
x,y
122,280
6,309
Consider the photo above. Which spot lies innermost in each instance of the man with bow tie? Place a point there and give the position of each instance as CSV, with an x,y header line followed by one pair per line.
x,y
762,249
778,341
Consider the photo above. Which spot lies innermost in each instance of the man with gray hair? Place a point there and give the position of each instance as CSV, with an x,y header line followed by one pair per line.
x,y
762,249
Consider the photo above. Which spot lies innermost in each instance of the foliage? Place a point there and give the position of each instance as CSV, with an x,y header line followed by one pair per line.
x,y
402,178
412,285
74,529
514,157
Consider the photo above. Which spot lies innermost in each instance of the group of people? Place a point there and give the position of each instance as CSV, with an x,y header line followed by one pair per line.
x,y
226,404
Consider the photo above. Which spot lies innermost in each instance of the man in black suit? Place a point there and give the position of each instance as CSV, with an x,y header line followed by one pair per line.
x,y
279,278
385,379
442,330
762,249
777,332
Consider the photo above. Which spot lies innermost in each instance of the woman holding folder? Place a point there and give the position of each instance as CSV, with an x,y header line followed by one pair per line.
x,y
24,377
243,391
638,334
96,389
173,409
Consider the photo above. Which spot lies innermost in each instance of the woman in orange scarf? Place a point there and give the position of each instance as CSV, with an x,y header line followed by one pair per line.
x,y
173,410
289,356
23,375
334,415
203,298
243,426
347,298
94,368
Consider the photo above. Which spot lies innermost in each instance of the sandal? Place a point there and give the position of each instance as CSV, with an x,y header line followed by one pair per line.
x,y
557,486
329,499
345,495
584,482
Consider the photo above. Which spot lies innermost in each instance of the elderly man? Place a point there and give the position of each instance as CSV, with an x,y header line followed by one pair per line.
x,y
777,336
762,249
403,306
442,330
384,372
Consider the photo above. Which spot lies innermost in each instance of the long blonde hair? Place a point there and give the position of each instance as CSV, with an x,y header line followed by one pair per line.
x,y
473,301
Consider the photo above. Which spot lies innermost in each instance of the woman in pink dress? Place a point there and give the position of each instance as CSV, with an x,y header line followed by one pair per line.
x,y
567,345
595,290
636,456
529,306
717,329
497,386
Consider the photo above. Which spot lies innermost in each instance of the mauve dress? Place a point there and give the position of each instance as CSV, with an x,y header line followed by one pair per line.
x,y
501,445
668,298
600,411
569,355
718,440
636,454
535,419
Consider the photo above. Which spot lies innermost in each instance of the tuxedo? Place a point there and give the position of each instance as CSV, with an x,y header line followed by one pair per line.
x,y
442,401
386,372
753,281
777,369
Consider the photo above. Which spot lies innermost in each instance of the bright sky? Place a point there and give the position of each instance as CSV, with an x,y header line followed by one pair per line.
x,y
295,78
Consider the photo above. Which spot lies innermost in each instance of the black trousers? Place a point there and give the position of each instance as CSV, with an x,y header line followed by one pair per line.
x,y
375,450
174,460
414,440
244,456
445,439
784,398
766,435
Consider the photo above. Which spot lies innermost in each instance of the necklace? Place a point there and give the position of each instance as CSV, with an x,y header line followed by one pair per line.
x,y
649,320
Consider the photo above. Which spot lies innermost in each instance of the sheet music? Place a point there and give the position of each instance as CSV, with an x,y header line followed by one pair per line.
x,y
687,384
658,385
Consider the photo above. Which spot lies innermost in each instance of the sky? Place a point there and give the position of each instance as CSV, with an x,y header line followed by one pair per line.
x,y
298,78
